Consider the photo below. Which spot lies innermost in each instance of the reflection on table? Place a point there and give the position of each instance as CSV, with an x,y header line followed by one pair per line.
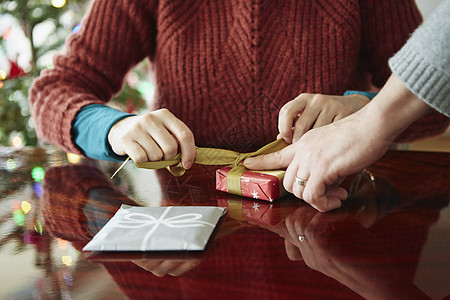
x,y
389,240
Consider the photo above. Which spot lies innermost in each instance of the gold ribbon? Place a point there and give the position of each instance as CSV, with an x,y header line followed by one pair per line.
x,y
219,157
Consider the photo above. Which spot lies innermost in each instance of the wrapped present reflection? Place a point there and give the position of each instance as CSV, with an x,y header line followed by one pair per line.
x,y
152,229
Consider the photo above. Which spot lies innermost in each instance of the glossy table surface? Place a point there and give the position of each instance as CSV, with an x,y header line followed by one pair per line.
x,y
391,239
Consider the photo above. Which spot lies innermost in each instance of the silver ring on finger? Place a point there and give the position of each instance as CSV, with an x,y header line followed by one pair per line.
x,y
300,181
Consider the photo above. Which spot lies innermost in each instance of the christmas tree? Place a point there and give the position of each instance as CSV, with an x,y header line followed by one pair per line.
x,y
31,32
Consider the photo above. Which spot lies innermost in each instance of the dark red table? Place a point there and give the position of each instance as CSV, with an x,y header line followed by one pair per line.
x,y
391,239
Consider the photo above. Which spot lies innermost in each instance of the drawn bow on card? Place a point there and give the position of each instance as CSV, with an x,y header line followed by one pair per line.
x,y
138,220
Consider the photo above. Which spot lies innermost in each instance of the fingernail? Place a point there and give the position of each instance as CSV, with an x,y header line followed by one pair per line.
x,y
248,161
188,164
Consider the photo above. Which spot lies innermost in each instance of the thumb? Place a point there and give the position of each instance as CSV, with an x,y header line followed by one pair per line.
x,y
277,160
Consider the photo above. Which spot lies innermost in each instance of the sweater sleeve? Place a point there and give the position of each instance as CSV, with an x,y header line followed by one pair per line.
x,y
398,19
423,64
114,36
90,131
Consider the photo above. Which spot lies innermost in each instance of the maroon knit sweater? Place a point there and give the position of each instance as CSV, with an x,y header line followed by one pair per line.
x,y
225,68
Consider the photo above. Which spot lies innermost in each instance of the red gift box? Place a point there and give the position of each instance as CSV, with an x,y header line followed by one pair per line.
x,y
258,212
262,185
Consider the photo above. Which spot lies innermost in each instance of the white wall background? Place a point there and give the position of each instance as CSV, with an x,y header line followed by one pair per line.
x,y
427,6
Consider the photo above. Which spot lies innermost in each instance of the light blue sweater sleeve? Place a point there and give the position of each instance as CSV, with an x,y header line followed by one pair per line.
x,y
423,64
90,131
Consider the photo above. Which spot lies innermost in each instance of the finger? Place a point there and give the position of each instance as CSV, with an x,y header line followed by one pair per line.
x,y
289,176
277,160
165,268
300,178
315,194
184,267
292,252
325,117
305,121
152,150
297,189
338,192
185,139
147,265
288,113
134,150
165,140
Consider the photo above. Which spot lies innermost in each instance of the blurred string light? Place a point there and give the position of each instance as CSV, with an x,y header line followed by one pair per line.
x,y
62,244
38,190
38,174
58,3
6,33
67,260
17,140
76,28
73,158
38,227
19,217
68,278
11,164
26,206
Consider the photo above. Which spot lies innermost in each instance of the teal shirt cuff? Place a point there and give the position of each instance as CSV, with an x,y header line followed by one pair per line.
x,y
369,95
90,131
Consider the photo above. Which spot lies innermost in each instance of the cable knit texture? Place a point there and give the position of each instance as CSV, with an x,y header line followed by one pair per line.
x,y
424,62
225,68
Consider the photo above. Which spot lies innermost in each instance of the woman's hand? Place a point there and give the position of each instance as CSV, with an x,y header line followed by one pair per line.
x,y
314,110
152,137
172,267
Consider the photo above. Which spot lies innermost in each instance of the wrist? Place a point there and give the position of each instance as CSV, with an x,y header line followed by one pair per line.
x,y
397,107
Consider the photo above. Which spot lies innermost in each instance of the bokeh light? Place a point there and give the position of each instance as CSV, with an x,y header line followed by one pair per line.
x,y
11,164
38,227
6,33
38,190
38,173
19,217
1,84
26,206
73,158
62,244
17,141
67,260
2,74
76,28
58,3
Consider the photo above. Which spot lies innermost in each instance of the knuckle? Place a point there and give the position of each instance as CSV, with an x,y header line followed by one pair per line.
x,y
148,119
170,149
163,112
319,99
157,155
186,136
140,157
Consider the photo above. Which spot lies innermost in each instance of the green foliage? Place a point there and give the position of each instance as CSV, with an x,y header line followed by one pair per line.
x,y
29,14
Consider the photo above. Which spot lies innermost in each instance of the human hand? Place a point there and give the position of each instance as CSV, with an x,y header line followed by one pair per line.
x,y
172,267
152,137
323,196
315,110
323,242
326,155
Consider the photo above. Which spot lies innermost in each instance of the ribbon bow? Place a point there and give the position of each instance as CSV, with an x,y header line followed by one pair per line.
x,y
220,157
138,220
